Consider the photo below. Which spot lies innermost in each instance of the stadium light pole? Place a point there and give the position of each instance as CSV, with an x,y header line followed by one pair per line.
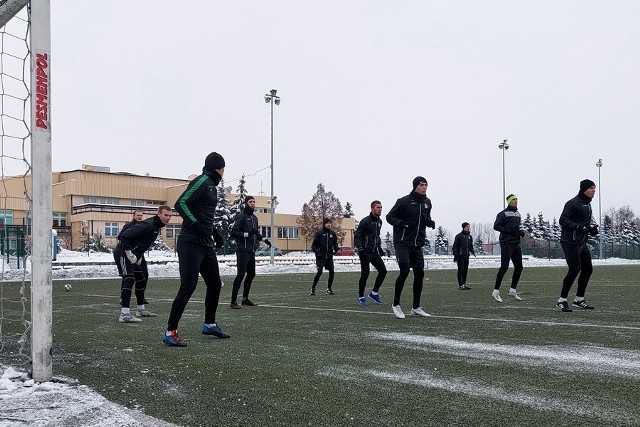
x,y
272,98
503,146
599,165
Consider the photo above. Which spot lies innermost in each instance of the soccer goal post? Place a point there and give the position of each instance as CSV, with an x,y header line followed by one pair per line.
x,y
26,86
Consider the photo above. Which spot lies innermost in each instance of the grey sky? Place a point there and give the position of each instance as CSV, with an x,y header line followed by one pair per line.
x,y
373,94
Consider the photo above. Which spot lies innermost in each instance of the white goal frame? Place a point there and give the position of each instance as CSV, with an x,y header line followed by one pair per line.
x,y
39,13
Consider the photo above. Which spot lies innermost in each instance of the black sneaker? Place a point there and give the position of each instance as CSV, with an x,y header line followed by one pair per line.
x,y
248,302
464,288
330,292
313,292
582,304
564,306
234,305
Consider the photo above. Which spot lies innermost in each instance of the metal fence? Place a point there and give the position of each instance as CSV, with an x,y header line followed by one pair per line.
x,y
552,249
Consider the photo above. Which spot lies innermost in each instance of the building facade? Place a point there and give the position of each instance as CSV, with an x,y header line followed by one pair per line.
x,y
95,201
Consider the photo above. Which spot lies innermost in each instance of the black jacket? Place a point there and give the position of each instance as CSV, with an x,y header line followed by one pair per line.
x,y
508,224
127,225
576,212
463,245
367,235
246,222
139,237
325,243
197,206
409,217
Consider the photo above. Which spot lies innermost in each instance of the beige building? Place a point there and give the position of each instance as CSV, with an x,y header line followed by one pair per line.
x,y
93,200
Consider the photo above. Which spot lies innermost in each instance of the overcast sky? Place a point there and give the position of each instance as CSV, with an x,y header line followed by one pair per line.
x,y
373,93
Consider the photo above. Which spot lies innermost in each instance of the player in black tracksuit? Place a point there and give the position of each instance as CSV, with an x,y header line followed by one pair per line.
x,y
577,224
409,217
324,245
369,248
246,232
508,224
140,272
462,249
134,240
197,250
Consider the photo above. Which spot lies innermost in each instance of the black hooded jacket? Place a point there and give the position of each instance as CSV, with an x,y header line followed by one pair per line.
x,y
139,237
367,235
409,217
246,222
325,243
508,224
576,212
463,245
197,206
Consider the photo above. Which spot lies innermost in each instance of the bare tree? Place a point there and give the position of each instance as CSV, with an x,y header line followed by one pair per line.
x,y
323,204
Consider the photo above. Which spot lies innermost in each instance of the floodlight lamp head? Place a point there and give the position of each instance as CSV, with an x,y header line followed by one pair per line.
x,y
599,164
273,92
267,99
277,100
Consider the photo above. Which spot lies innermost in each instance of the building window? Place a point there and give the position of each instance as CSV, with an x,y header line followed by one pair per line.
x,y
111,229
59,219
266,232
288,233
101,200
137,203
6,217
172,231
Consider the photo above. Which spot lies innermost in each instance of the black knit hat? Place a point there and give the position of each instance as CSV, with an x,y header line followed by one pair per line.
x,y
418,180
213,161
586,184
246,199
464,224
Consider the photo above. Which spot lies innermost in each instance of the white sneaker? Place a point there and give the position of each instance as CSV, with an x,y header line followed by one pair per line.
x,y
496,295
128,318
397,311
145,313
513,294
419,312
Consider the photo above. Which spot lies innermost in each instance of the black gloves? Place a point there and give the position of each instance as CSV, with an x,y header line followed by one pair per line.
x,y
522,233
431,224
455,259
594,230
584,228
267,242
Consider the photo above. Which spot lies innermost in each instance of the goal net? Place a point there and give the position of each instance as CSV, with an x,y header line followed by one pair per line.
x,y
25,189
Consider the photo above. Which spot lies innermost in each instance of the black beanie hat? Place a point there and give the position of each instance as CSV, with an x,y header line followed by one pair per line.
x,y
585,184
246,199
213,161
417,180
464,224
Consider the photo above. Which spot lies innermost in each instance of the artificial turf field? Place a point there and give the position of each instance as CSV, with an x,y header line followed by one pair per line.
x,y
301,360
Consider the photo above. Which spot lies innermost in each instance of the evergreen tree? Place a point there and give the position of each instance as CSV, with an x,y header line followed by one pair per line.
x,y
607,229
528,224
223,219
478,246
241,195
388,243
441,242
159,245
540,232
323,204
348,211
555,230
428,250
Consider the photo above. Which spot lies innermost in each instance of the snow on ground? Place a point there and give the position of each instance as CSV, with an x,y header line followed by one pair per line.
x,y
64,403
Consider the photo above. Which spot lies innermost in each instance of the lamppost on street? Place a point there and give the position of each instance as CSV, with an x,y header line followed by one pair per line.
x,y
599,165
503,146
272,98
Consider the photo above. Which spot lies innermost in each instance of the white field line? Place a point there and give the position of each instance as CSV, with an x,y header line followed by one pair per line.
x,y
478,389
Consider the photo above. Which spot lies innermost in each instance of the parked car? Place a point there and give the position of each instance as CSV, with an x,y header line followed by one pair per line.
x,y
345,251
266,251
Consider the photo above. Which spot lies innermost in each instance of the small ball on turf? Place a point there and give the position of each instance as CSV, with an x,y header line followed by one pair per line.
x,y
67,287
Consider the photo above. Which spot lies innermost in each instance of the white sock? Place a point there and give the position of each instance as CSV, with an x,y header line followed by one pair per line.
x,y
374,293
562,300
210,325
124,310
141,307
578,299
512,290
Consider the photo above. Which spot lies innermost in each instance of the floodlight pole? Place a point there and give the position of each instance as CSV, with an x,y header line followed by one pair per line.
x,y
272,98
504,146
599,165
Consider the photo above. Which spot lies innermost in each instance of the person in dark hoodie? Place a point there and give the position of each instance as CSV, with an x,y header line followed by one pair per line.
x,y
325,245
369,249
409,217
508,224
462,249
577,225
133,242
196,249
245,231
